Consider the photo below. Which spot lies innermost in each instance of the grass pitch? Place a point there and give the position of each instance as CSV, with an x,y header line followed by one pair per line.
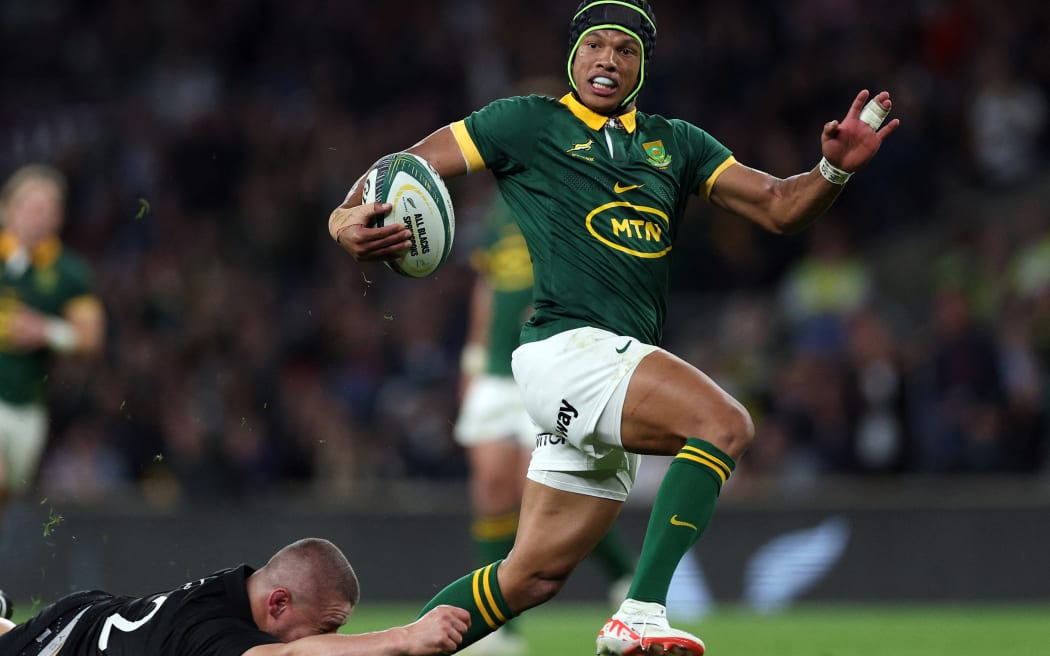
x,y
565,629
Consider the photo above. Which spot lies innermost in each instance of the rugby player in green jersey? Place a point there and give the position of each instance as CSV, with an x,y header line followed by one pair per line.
x,y
599,189
48,308
493,426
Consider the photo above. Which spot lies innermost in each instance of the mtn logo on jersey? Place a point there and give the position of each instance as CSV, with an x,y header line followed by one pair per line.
x,y
633,229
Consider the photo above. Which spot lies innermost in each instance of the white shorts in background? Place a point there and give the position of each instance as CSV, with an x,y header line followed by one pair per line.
x,y
574,385
23,432
492,410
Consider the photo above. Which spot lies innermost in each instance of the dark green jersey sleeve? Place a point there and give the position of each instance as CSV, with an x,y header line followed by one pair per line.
x,y
707,157
504,131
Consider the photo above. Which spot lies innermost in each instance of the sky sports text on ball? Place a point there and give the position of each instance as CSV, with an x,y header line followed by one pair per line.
x,y
419,235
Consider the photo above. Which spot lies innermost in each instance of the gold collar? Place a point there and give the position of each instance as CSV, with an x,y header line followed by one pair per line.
x,y
42,255
593,119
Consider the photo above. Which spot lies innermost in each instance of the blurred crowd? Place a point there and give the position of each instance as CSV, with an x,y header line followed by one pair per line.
x,y
247,355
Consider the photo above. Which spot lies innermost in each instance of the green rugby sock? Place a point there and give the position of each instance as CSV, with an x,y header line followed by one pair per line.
x,y
478,593
683,507
493,538
614,556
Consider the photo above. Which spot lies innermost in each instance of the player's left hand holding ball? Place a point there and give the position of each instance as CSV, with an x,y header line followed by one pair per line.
x,y
849,144
350,226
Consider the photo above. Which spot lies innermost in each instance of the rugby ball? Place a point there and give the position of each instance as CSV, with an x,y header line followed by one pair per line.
x,y
421,202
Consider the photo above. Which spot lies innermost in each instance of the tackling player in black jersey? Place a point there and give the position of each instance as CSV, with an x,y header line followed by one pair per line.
x,y
292,606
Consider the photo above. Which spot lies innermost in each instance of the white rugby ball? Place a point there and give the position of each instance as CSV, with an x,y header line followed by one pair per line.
x,y
421,202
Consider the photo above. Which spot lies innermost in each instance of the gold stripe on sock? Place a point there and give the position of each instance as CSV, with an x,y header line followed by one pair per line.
x,y
715,459
492,599
480,603
494,528
705,462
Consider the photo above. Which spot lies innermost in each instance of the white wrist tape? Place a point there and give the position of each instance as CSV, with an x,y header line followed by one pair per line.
x,y
874,114
61,335
832,173
473,359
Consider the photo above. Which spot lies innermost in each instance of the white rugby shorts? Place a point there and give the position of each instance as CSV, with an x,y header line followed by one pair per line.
x,y
573,385
492,410
23,433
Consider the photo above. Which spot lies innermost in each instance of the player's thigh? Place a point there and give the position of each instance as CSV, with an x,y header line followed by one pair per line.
x,y
556,531
496,476
499,458
668,401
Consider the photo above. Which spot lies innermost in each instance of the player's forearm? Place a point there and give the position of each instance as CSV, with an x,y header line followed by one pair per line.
x,y
439,149
800,200
780,205
391,642
480,312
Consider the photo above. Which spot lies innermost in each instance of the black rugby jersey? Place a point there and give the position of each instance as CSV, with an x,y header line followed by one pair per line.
x,y
205,617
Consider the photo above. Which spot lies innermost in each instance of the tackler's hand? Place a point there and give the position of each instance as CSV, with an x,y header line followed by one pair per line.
x,y
350,226
438,632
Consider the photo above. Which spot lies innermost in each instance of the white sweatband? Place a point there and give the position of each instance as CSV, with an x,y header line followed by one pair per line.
x,y
874,114
473,359
832,173
61,336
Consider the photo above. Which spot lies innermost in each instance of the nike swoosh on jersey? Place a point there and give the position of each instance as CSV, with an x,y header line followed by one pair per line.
x,y
677,522
618,188
625,346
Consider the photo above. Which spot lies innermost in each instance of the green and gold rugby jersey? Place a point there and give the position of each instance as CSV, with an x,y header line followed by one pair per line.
x,y
53,279
504,262
599,205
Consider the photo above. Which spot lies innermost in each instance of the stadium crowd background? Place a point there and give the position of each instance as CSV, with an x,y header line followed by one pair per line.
x,y
206,143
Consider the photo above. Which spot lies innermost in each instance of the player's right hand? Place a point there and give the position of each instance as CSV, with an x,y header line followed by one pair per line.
x,y
349,225
23,329
438,632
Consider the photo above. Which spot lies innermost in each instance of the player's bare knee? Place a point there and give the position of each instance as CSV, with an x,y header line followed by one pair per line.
x,y
533,584
731,429
738,430
494,491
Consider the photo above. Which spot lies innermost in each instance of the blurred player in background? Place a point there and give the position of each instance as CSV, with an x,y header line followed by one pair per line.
x,y
493,426
48,309
598,189
292,606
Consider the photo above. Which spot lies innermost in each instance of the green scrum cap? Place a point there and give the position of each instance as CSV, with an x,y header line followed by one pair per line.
x,y
633,17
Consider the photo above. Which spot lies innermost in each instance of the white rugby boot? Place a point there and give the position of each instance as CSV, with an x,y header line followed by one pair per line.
x,y
640,628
